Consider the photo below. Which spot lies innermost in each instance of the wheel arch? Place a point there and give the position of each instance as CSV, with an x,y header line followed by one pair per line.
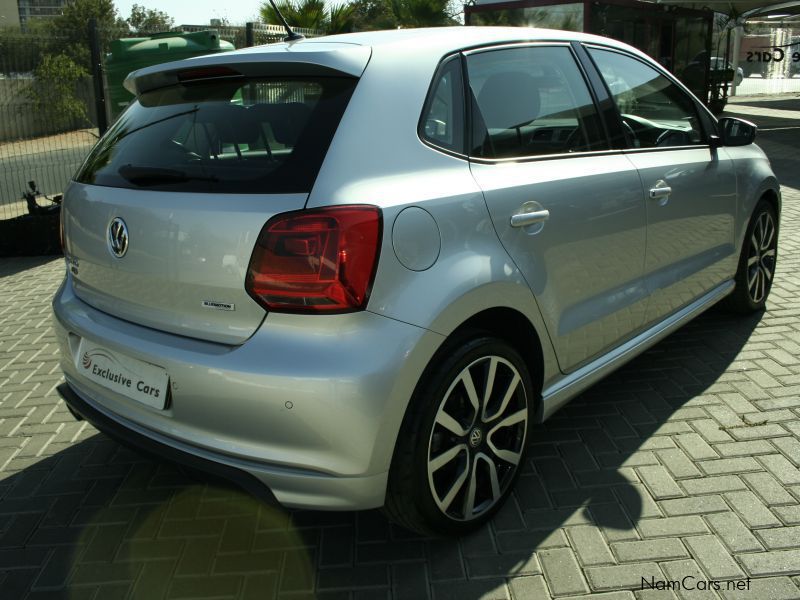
x,y
503,323
516,329
770,196
766,193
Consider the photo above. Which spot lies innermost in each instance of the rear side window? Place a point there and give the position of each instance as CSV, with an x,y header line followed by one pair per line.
x,y
228,136
530,101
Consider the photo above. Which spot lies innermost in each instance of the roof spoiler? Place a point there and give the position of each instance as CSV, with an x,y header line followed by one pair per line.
x,y
315,60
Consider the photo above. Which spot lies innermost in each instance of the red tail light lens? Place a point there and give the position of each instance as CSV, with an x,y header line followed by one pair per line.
x,y
320,260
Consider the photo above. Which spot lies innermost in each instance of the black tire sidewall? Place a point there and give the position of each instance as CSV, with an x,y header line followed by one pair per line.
x,y
742,289
426,401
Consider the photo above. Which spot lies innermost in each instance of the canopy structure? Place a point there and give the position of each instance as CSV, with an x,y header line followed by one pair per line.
x,y
682,35
744,9
783,13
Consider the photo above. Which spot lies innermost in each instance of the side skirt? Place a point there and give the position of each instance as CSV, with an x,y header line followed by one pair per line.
x,y
562,391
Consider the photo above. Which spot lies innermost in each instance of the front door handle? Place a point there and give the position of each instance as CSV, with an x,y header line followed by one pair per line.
x,y
529,218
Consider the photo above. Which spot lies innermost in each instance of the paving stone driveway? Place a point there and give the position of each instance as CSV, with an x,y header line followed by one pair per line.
x,y
683,466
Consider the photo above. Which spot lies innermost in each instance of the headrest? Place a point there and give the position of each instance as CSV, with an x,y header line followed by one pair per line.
x,y
230,121
286,120
504,110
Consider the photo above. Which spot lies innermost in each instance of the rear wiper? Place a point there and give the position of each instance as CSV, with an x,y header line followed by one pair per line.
x,y
155,175
180,114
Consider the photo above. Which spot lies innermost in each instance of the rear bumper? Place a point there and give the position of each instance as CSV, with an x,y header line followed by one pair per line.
x,y
128,436
309,407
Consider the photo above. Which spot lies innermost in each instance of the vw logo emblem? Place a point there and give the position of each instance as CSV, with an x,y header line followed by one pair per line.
x,y
475,437
118,237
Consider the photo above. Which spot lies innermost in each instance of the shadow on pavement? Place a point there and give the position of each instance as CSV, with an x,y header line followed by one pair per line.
x,y
97,520
13,265
782,147
777,136
784,104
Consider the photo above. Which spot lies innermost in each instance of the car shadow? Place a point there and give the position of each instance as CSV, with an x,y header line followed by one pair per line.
x,y
786,104
781,146
17,264
97,520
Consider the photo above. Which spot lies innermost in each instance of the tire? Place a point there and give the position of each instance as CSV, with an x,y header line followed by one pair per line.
x,y
757,262
454,464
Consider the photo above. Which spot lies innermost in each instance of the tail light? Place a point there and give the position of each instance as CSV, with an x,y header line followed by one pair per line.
x,y
320,260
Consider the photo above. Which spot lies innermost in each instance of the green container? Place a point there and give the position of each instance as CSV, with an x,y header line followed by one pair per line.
x,y
129,54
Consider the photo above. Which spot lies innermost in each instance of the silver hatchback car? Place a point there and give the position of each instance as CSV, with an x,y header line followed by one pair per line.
x,y
352,272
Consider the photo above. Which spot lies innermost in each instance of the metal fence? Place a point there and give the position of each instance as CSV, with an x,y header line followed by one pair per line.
x,y
47,117
53,104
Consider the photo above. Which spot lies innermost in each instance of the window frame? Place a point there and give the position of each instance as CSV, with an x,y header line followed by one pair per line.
x,y
569,44
707,121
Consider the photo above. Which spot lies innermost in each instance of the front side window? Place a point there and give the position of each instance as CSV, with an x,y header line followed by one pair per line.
x,y
655,112
442,121
530,101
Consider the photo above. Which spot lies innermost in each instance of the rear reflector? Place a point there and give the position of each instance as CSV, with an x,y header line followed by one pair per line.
x,y
321,260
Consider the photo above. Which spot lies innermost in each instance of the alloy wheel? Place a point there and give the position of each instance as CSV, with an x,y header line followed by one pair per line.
x,y
477,439
761,257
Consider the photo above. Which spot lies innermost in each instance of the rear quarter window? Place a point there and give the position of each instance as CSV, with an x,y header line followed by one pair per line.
x,y
228,136
442,122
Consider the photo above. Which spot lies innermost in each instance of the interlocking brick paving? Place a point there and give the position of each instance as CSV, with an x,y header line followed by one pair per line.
x,y
682,464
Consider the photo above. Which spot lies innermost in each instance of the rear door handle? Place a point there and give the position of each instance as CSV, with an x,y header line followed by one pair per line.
x,y
529,218
660,192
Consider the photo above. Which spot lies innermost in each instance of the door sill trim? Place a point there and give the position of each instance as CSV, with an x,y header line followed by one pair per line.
x,y
559,393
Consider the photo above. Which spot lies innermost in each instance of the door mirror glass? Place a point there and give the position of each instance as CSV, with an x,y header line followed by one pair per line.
x,y
736,132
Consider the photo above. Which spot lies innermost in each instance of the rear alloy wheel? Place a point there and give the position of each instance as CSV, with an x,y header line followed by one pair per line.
x,y
466,433
757,262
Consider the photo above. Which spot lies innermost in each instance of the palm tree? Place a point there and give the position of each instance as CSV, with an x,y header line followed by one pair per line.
x,y
421,13
310,14
341,18
363,14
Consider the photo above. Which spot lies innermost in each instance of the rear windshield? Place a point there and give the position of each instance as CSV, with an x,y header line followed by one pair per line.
x,y
235,136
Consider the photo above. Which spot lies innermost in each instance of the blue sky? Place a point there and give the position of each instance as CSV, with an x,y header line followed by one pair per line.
x,y
197,12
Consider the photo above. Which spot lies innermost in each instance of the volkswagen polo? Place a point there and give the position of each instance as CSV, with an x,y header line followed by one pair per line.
x,y
351,272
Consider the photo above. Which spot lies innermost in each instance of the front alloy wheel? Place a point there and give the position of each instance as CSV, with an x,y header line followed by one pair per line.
x,y
761,257
757,262
463,439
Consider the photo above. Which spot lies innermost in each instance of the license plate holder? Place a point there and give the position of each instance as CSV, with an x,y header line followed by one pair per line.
x,y
130,377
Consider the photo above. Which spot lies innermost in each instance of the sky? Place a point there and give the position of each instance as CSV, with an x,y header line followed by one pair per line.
x,y
197,12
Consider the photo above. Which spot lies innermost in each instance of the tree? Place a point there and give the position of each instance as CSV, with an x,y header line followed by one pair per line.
x,y
363,15
391,14
21,51
65,59
421,13
53,92
148,20
341,18
310,14
69,30
369,15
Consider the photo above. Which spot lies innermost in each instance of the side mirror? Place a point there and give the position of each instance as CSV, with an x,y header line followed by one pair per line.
x,y
736,132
